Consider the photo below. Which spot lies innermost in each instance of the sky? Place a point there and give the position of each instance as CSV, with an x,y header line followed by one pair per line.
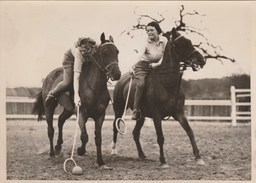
x,y
35,35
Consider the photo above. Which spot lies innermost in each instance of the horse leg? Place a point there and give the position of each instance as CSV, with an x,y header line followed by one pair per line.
x,y
49,111
118,114
98,140
118,110
115,132
61,120
160,139
84,135
185,125
136,137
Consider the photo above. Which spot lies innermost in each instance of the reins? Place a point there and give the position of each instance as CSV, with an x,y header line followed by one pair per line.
x,y
105,70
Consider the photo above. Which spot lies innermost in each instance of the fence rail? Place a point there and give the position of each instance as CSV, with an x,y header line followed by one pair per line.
x,y
240,98
221,110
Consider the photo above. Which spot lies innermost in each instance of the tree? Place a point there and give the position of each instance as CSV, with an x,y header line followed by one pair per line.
x,y
209,51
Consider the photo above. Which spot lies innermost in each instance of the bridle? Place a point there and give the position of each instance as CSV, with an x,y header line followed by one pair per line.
x,y
106,68
186,62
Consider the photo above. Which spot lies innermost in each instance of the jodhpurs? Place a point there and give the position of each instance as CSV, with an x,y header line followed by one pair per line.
x,y
141,70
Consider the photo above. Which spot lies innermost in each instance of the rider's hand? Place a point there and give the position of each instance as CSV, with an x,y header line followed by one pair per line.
x,y
153,65
131,71
195,67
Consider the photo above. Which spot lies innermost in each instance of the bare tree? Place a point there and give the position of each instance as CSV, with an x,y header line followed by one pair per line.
x,y
210,51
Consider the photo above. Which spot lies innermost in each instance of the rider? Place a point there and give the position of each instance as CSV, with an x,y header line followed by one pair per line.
x,y
151,58
74,58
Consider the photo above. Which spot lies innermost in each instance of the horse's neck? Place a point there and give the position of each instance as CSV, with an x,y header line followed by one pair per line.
x,y
168,73
93,77
168,67
169,63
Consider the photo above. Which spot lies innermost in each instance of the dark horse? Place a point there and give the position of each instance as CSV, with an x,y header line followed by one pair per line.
x,y
93,93
163,95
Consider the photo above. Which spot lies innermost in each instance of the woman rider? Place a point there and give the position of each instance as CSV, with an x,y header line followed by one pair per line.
x,y
74,58
151,58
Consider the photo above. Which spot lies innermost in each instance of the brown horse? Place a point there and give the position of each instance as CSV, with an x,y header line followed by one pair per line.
x,y
93,93
163,95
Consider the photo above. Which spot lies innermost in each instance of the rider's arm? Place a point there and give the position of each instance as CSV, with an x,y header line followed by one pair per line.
x,y
79,59
155,65
76,87
78,62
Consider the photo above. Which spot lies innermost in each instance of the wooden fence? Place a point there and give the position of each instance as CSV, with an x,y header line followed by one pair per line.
x,y
232,110
240,104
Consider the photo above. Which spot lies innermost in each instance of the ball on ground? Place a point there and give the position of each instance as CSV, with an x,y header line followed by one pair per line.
x,y
77,170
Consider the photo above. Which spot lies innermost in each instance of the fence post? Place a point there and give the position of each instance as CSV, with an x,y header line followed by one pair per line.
x,y
233,105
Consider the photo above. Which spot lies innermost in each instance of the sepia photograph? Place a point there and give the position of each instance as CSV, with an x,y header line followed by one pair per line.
x,y
127,91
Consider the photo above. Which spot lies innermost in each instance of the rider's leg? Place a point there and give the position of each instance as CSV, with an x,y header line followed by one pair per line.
x,y
62,86
140,75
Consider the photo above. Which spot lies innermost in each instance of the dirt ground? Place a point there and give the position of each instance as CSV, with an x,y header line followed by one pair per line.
x,y
226,151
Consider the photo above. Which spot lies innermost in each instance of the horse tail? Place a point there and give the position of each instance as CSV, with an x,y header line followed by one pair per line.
x,y
38,107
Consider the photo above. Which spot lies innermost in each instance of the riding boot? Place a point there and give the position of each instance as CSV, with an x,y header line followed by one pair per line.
x,y
61,86
54,94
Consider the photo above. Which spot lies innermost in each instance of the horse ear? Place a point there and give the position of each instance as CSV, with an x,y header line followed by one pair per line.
x,y
174,32
111,39
102,38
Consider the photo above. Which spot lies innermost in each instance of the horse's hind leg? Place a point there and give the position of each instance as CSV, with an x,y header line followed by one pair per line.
x,y
115,132
49,119
185,125
136,137
118,110
61,120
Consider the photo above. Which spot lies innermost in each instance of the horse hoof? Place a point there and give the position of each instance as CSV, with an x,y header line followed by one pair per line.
x,y
105,167
57,150
164,166
80,151
114,152
52,154
142,157
200,162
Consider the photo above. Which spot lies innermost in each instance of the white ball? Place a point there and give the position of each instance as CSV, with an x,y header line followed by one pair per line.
x,y
77,170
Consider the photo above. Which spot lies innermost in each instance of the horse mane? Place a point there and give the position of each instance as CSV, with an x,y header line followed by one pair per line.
x,y
169,63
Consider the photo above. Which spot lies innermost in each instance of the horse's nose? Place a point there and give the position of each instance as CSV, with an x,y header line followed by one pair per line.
x,y
117,74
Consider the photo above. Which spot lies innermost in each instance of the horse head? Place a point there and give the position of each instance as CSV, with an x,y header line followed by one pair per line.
x,y
184,52
108,58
